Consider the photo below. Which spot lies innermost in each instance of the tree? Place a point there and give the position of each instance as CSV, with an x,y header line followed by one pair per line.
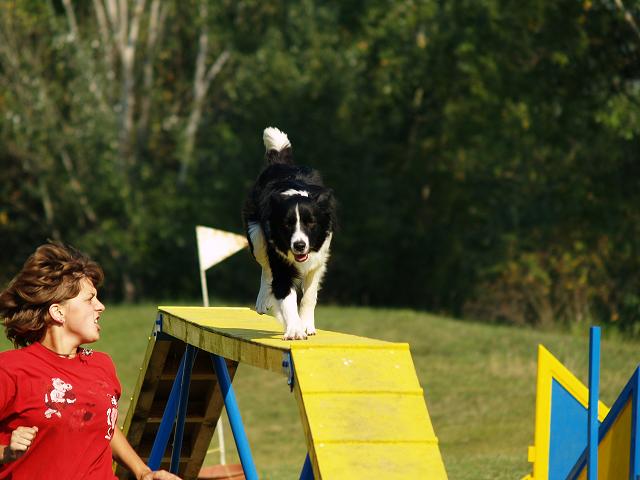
x,y
78,109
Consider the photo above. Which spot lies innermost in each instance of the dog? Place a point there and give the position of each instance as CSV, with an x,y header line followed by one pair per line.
x,y
289,218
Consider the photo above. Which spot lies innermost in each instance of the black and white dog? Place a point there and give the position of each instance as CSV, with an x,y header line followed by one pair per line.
x,y
289,219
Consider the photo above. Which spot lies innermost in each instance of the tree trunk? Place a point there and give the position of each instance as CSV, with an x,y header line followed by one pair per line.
x,y
201,83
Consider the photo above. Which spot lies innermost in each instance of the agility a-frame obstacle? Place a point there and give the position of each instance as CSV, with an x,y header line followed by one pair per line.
x,y
361,405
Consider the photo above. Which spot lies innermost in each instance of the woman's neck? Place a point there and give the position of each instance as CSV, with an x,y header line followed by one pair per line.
x,y
60,346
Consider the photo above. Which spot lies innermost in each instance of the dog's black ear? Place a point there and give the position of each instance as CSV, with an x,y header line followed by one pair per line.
x,y
265,208
327,201
276,200
325,198
271,206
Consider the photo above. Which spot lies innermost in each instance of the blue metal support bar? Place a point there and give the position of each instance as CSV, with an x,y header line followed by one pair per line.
x,y
189,356
242,443
594,395
307,470
166,424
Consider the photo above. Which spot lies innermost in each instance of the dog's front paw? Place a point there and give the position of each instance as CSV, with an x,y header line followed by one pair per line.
x,y
294,334
308,321
263,303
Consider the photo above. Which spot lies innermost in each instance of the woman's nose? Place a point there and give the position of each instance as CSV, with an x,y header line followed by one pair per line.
x,y
100,306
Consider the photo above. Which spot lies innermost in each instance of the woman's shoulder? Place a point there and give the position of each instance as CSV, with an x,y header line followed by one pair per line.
x,y
17,357
15,354
6,354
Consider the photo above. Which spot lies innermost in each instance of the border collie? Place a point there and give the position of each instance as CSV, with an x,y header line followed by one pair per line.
x,y
289,217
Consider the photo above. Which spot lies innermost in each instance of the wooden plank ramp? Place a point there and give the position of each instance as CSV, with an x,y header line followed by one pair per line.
x,y
362,408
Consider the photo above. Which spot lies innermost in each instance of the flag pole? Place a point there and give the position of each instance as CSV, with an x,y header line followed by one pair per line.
x,y
205,290
213,247
205,302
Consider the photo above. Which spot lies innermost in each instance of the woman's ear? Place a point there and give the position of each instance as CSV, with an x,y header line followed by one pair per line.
x,y
56,312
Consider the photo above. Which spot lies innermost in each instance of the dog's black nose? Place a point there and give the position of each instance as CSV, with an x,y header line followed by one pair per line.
x,y
299,246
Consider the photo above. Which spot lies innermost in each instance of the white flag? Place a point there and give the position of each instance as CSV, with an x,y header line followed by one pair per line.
x,y
216,245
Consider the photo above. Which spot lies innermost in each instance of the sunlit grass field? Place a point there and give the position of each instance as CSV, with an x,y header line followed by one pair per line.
x,y
478,380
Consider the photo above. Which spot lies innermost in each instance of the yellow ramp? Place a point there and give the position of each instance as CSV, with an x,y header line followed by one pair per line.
x,y
364,412
361,405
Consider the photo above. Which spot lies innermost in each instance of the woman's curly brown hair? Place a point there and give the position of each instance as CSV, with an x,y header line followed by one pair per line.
x,y
52,274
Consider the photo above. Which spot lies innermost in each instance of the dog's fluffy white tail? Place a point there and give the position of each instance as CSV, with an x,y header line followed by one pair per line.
x,y
274,139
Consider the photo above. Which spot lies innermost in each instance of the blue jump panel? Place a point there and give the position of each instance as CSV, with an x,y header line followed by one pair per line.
x,y
568,432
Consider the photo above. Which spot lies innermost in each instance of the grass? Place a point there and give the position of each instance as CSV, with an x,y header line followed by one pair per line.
x,y
478,379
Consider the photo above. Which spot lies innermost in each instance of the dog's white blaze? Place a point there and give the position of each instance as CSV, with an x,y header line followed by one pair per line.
x,y
274,139
298,234
291,192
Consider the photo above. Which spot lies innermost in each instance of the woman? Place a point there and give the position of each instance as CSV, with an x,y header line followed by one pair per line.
x,y
58,401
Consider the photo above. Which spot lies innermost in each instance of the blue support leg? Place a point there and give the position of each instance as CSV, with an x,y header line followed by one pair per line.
x,y
242,443
166,424
594,395
189,356
307,470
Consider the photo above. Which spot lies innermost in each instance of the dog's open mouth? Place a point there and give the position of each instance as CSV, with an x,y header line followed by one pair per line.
x,y
301,257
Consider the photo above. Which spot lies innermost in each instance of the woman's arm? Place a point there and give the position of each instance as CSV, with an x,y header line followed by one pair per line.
x,y
124,454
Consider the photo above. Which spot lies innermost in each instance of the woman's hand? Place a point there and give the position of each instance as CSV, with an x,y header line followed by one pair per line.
x,y
21,439
159,475
126,455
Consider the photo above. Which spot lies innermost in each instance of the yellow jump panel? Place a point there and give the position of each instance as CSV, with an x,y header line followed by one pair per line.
x,y
614,448
361,404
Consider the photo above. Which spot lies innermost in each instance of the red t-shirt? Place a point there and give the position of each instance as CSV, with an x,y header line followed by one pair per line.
x,y
74,404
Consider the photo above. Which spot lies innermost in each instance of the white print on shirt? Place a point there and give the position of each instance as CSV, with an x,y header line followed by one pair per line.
x,y
112,417
58,398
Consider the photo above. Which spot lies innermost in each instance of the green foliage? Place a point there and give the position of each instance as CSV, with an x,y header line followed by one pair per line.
x,y
484,152
542,288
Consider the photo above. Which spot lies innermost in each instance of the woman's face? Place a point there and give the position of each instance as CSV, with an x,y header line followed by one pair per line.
x,y
81,314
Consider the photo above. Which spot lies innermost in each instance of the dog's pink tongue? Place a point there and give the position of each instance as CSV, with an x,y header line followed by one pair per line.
x,y
301,258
